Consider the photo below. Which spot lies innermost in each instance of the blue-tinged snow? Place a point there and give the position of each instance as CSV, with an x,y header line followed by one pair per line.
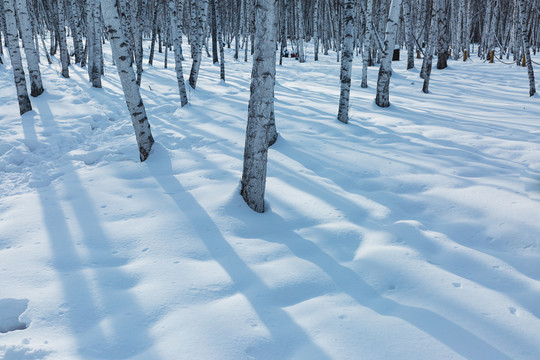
x,y
413,232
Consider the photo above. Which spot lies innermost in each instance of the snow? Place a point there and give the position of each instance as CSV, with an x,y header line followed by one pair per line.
x,y
410,233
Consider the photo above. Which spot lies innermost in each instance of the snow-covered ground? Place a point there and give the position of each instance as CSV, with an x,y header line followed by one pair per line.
x,y
413,232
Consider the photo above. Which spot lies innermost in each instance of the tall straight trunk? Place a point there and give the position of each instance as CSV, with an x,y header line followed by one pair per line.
x,y
300,17
433,36
442,51
90,38
127,78
219,29
75,16
368,12
154,33
199,24
284,17
347,14
526,47
97,46
64,56
32,59
382,98
261,106
15,56
316,29
213,30
409,33
176,30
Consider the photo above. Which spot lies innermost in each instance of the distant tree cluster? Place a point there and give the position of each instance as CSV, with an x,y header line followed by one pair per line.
x,y
77,29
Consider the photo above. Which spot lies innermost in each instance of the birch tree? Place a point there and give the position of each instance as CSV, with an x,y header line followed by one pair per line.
x,y
261,106
15,55
127,78
176,31
198,23
382,98
32,59
526,46
428,58
346,59
61,30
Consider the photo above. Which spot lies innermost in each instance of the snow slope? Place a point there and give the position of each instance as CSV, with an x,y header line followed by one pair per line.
x,y
410,233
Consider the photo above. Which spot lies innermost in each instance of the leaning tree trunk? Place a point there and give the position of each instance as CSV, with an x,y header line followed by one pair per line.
x,y
176,30
127,78
32,58
382,98
16,59
260,107
526,47
433,36
347,56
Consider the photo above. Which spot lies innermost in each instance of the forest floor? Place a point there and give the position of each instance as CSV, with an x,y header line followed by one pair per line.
x,y
413,232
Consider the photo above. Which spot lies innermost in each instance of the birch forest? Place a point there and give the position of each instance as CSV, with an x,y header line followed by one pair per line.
x,y
74,32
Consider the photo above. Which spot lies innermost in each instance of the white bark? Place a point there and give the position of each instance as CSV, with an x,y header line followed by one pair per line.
x,y
526,47
347,56
127,78
176,30
16,59
409,33
430,49
368,13
199,24
32,58
261,105
300,17
220,40
382,98
64,56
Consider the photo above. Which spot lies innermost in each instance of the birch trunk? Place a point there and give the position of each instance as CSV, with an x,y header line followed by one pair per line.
x,y
64,56
32,59
526,48
198,22
316,30
409,33
300,16
261,106
15,56
347,56
76,32
97,50
127,78
382,98
368,12
433,35
176,30
442,51
221,44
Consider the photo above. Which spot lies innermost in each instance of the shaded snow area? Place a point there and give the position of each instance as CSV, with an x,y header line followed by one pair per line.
x,y
410,233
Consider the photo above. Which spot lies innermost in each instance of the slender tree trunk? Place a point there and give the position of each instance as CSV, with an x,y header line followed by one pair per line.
x,y
176,30
127,78
316,29
76,31
16,59
367,42
301,31
64,56
32,59
96,46
219,29
382,98
526,48
347,57
409,33
199,24
433,35
261,106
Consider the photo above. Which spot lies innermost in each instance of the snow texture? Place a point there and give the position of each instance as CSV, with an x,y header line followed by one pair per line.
x,y
410,233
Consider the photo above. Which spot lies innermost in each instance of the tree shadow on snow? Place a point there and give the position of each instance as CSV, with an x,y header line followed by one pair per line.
x,y
105,318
